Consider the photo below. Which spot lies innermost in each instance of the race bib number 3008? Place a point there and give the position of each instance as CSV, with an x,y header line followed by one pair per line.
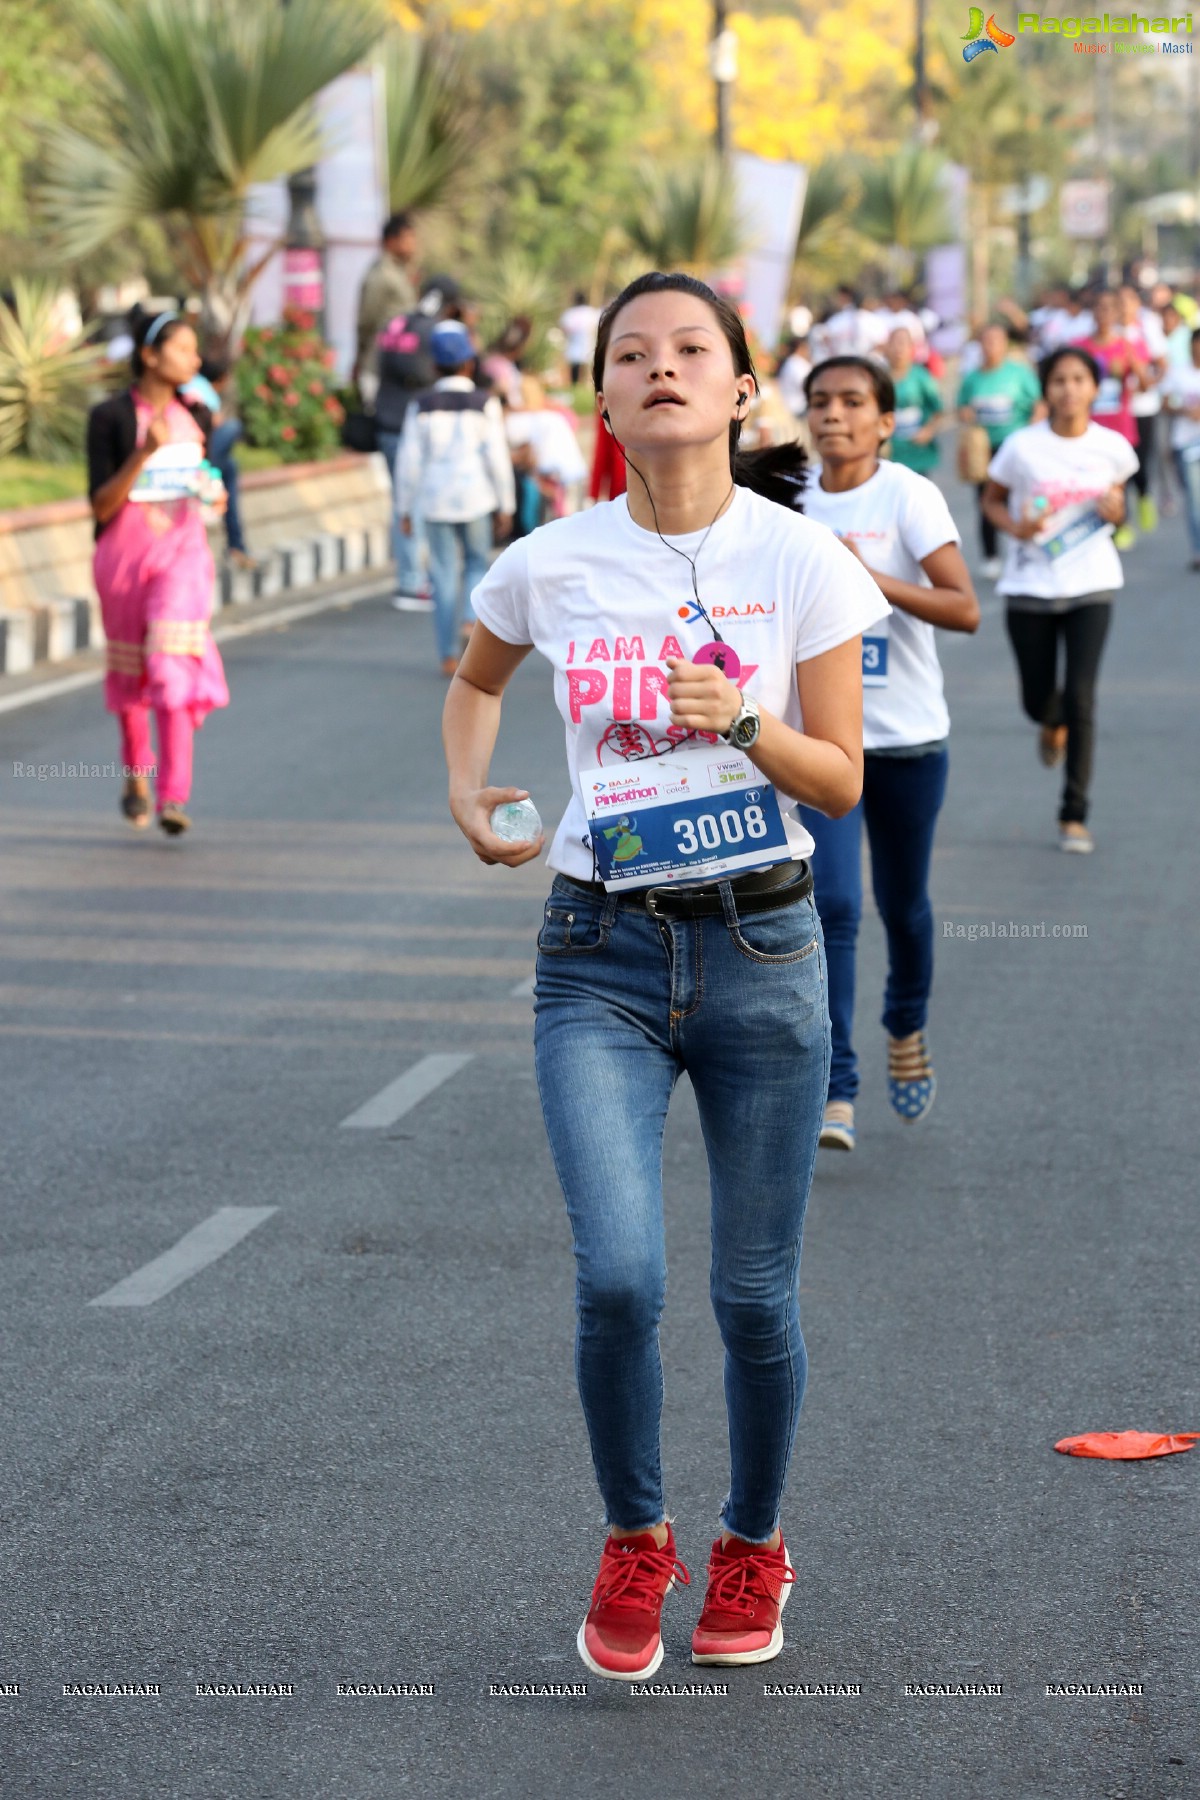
x,y
695,816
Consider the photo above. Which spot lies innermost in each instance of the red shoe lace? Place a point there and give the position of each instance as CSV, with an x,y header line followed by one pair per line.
x,y
735,1584
637,1579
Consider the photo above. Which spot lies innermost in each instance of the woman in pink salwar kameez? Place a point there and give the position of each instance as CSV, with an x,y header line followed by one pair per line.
x,y
154,570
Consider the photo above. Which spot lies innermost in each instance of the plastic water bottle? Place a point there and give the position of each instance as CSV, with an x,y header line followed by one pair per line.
x,y
516,822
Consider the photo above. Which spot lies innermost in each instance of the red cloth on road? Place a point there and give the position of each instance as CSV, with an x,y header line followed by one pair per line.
x,y
1127,1446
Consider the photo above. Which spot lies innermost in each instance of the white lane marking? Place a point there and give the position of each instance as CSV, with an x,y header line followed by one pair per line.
x,y
523,988
194,1251
401,1095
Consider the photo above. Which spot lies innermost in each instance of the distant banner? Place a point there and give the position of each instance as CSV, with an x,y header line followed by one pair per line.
x,y
770,204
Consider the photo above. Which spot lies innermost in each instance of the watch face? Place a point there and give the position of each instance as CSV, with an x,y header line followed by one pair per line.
x,y
745,732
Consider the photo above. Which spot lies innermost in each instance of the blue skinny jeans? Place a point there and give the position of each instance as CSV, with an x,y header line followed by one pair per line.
x,y
624,1005
901,799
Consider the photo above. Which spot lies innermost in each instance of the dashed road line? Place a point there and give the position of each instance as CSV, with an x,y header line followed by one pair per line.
x,y
407,1091
523,989
211,1239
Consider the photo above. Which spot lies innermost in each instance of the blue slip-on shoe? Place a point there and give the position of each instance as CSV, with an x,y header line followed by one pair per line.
x,y
912,1083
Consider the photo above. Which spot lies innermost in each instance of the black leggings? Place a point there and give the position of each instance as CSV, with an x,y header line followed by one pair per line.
x,y
1147,442
988,540
1035,639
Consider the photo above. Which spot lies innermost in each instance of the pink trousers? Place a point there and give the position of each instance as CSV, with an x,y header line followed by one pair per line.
x,y
175,732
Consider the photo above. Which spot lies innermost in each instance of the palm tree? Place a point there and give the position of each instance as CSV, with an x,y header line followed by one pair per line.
x,y
198,101
824,243
431,135
903,206
687,217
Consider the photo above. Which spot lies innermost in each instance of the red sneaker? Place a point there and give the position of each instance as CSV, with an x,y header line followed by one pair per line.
x,y
748,1588
620,1638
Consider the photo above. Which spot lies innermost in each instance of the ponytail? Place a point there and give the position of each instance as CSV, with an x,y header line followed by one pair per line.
x,y
778,472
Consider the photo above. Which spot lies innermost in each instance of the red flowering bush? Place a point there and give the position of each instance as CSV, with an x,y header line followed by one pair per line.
x,y
286,389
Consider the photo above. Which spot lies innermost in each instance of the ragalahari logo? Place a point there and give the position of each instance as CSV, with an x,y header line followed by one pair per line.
x,y
980,37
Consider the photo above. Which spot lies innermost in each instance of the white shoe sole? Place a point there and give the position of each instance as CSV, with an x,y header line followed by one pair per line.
x,y
834,1138
590,1662
738,1658
1076,846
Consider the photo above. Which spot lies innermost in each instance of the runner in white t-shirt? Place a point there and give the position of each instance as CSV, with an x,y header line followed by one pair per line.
x,y
706,649
578,326
1181,392
899,526
1057,490
1141,325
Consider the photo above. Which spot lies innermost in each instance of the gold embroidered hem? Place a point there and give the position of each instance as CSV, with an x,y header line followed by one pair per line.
x,y
123,659
177,637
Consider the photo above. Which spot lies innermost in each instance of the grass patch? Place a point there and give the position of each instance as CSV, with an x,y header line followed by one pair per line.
x,y
24,482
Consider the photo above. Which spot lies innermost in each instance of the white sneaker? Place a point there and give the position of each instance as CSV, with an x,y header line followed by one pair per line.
x,y
418,603
991,568
1076,838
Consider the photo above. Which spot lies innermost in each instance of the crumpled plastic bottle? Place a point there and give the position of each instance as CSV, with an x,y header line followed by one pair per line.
x,y
516,821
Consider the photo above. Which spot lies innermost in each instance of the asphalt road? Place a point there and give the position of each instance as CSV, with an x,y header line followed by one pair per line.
x,y
348,1449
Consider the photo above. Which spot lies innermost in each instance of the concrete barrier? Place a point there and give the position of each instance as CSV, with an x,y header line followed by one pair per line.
x,y
306,523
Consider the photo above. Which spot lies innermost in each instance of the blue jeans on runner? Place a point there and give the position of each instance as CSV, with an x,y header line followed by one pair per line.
x,y
454,579
902,796
1188,471
624,1004
406,551
220,453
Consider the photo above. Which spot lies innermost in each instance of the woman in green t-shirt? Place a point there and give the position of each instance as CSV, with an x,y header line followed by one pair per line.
x,y
1002,395
918,406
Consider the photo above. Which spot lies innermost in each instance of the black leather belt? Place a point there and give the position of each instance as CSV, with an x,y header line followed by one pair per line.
x,y
765,891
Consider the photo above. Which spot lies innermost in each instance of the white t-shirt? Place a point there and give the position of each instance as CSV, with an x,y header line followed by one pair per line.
x,y
578,325
791,378
1144,403
606,603
1058,325
895,519
1059,475
1183,387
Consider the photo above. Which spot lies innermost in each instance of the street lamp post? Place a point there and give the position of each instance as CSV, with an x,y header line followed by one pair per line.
x,y
303,247
723,61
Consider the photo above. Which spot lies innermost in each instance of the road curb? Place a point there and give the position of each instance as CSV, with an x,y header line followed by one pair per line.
x,y
263,615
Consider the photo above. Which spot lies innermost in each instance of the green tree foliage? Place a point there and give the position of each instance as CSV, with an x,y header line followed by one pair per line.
x,y
902,206
198,101
686,217
432,135
565,106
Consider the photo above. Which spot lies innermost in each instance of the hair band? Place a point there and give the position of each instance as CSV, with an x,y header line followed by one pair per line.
x,y
162,319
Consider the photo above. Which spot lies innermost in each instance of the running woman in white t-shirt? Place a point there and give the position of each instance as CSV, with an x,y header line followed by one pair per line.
x,y
707,657
1057,490
898,524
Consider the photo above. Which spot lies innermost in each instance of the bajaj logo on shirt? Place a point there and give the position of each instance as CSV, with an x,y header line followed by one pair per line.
x,y
979,37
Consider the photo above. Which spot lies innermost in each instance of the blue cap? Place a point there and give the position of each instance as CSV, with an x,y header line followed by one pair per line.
x,y
450,344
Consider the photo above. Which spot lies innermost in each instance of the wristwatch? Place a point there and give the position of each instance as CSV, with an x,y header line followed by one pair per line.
x,y
745,725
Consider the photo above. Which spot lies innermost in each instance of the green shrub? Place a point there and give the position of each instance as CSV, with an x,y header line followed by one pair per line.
x,y
286,389
46,382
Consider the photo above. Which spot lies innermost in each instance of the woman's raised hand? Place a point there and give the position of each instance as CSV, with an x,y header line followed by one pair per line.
x,y
702,696
158,433
472,813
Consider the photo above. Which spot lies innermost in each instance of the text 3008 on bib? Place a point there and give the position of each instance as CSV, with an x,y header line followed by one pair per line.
x,y
698,814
